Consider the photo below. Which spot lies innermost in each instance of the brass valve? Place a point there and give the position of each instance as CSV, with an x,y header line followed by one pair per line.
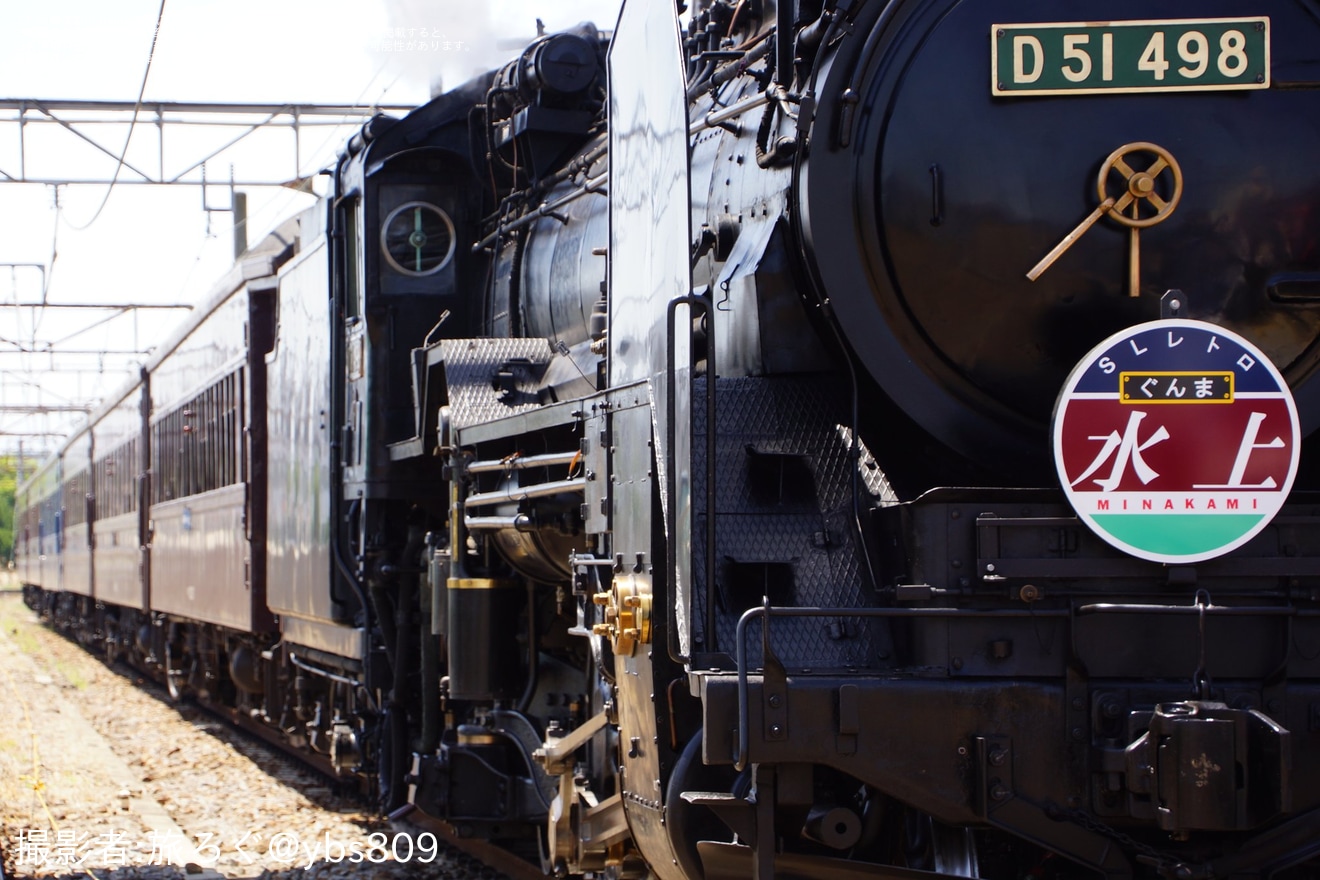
x,y
627,608
1137,190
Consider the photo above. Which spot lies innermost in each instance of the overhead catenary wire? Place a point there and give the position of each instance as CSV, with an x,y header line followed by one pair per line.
x,y
123,154
27,331
49,270
269,209
279,206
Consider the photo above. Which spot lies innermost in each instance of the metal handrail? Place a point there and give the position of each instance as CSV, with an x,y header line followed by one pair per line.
x,y
703,302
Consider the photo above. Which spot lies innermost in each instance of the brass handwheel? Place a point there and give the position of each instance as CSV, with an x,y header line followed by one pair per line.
x,y
1139,186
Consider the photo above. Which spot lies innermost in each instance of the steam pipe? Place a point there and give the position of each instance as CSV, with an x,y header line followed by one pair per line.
x,y
715,117
397,713
519,493
786,13
533,652
430,659
523,462
324,673
545,209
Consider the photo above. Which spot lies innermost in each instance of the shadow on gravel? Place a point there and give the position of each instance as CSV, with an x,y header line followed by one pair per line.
x,y
324,790
218,808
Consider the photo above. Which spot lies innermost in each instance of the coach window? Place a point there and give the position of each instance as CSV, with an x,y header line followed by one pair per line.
x,y
198,443
76,492
124,468
114,481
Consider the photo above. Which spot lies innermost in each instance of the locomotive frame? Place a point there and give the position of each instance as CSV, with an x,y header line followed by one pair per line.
x,y
651,479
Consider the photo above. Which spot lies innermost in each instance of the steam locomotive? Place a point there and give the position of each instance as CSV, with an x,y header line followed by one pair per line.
x,y
832,439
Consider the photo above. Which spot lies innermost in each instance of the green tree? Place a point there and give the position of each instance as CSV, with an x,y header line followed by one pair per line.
x,y
8,483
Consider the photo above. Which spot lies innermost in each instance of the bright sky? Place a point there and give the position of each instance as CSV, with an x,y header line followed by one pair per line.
x,y
153,244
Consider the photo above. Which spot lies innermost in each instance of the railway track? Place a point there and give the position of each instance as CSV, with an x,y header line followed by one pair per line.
x,y
100,770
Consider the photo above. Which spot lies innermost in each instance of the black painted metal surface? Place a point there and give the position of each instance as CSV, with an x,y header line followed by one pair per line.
x,y
928,200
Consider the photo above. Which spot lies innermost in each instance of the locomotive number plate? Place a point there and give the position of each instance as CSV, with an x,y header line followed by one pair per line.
x,y
1182,55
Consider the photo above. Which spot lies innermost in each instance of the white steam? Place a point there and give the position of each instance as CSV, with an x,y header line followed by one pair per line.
x,y
440,45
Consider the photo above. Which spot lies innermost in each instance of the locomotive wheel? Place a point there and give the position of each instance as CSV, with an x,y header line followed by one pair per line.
x,y
176,678
945,849
110,639
690,823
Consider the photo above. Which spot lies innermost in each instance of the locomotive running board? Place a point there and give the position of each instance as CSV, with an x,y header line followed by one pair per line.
x,y
539,418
